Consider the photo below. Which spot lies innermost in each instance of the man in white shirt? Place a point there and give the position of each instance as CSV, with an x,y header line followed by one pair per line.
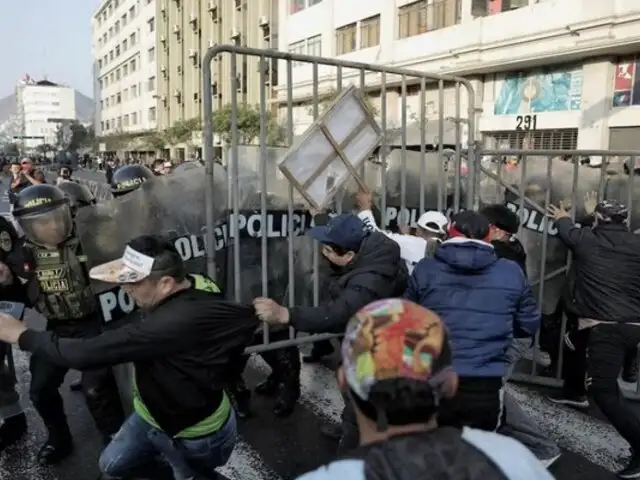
x,y
431,230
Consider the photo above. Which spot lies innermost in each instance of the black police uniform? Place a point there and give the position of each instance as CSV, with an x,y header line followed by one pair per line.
x,y
11,411
66,299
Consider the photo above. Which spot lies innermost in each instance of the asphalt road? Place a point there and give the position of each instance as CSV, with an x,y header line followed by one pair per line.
x,y
272,448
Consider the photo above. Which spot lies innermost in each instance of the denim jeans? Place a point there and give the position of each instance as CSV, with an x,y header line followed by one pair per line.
x,y
138,444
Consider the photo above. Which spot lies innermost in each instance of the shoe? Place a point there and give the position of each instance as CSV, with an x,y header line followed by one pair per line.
x,y
630,370
576,401
268,388
320,349
12,430
332,431
54,451
632,470
550,461
241,399
287,399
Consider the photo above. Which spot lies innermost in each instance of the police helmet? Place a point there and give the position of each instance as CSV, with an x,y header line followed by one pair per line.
x,y
43,213
79,195
128,178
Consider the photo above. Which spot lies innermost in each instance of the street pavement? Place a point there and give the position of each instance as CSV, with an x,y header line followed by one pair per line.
x,y
272,448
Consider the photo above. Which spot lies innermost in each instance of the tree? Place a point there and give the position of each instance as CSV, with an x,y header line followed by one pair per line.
x,y
248,119
182,131
157,140
11,150
80,137
45,148
326,99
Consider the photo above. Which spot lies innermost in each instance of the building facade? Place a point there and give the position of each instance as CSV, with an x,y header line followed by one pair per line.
x,y
186,29
41,107
124,50
545,73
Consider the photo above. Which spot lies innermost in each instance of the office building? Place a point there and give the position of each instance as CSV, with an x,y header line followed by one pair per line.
x,y
124,47
546,74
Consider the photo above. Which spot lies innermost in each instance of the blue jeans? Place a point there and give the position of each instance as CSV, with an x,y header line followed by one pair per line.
x,y
138,444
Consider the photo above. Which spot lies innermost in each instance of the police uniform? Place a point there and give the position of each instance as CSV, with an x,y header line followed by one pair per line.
x,y
59,274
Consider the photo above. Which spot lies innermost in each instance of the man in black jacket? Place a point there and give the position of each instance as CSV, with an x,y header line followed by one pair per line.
x,y
606,295
180,351
367,266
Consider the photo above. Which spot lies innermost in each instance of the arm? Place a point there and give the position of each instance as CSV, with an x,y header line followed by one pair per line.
x,y
574,237
135,342
419,280
37,177
527,317
334,315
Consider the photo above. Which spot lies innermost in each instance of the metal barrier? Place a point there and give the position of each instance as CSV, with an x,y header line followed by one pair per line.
x,y
534,181
389,79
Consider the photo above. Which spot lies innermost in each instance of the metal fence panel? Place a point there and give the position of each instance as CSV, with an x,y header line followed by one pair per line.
x,y
419,165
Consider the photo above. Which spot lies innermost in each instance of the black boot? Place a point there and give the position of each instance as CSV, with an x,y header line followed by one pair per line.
x,y
241,398
630,369
288,395
58,446
269,387
319,350
12,430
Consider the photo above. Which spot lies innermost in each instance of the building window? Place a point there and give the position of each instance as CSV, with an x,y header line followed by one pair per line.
x,y
152,54
370,32
314,45
484,8
443,14
123,20
125,44
117,74
132,13
152,25
117,50
412,19
126,120
346,39
299,48
296,6
134,91
111,55
100,63
314,2
132,65
152,114
134,118
117,26
151,86
132,39
125,70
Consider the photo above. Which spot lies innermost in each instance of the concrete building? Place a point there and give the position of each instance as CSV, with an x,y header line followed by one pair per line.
x,y
546,73
124,48
186,29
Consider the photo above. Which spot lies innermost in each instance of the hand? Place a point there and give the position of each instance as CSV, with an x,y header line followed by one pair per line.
x,y
590,202
314,211
364,199
270,312
558,212
6,277
10,328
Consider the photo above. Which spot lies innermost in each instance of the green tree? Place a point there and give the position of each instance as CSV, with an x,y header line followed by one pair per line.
x,y
248,118
326,99
182,131
157,140
11,149
81,136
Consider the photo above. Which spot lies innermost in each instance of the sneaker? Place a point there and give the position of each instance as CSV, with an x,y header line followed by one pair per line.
x,y
632,470
550,461
575,401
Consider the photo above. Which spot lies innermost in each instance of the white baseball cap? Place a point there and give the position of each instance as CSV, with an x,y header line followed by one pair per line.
x,y
131,268
433,221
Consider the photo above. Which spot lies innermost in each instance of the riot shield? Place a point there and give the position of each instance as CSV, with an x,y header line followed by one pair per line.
x,y
10,402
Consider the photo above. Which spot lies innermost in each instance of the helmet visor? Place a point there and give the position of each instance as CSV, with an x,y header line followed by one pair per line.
x,y
47,229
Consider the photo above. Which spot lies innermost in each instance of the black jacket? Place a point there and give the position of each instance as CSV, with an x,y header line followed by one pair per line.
x,y
606,271
181,352
512,249
377,272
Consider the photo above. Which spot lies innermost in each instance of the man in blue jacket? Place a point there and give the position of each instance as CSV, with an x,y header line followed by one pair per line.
x,y
484,301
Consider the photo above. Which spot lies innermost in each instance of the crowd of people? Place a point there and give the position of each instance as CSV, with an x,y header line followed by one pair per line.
x,y
434,320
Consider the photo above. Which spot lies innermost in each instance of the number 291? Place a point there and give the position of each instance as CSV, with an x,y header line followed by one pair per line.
x,y
527,122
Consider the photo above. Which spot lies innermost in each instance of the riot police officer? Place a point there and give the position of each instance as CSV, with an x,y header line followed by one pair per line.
x,y
128,178
66,299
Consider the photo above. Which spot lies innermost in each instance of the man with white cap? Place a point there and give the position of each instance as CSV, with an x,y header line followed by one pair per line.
x,y
430,231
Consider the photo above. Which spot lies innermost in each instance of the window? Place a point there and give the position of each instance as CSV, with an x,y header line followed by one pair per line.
x,y
125,95
125,120
118,99
125,70
106,102
346,39
370,32
110,32
117,26
117,50
152,114
314,45
151,84
105,60
104,38
152,54
299,48
125,44
132,65
111,55
314,2
484,8
412,19
100,63
117,74
134,118
132,39
134,91
152,25
101,104
132,13
443,13
123,20
296,6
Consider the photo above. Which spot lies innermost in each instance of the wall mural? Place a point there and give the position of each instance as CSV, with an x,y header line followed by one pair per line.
x,y
626,83
554,89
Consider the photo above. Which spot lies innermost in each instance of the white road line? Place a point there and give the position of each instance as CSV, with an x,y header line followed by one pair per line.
x,y
246,464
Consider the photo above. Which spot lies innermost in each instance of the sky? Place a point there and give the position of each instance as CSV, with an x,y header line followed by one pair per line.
x,y
49,38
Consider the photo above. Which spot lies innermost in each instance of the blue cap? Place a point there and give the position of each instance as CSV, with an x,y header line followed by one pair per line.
x,y
346,231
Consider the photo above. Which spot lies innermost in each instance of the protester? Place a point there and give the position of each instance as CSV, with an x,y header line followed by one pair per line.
x,y
180,351
606,295
33,175
157,166
396,371
484,301
431,228
366,266
517,424
64,175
